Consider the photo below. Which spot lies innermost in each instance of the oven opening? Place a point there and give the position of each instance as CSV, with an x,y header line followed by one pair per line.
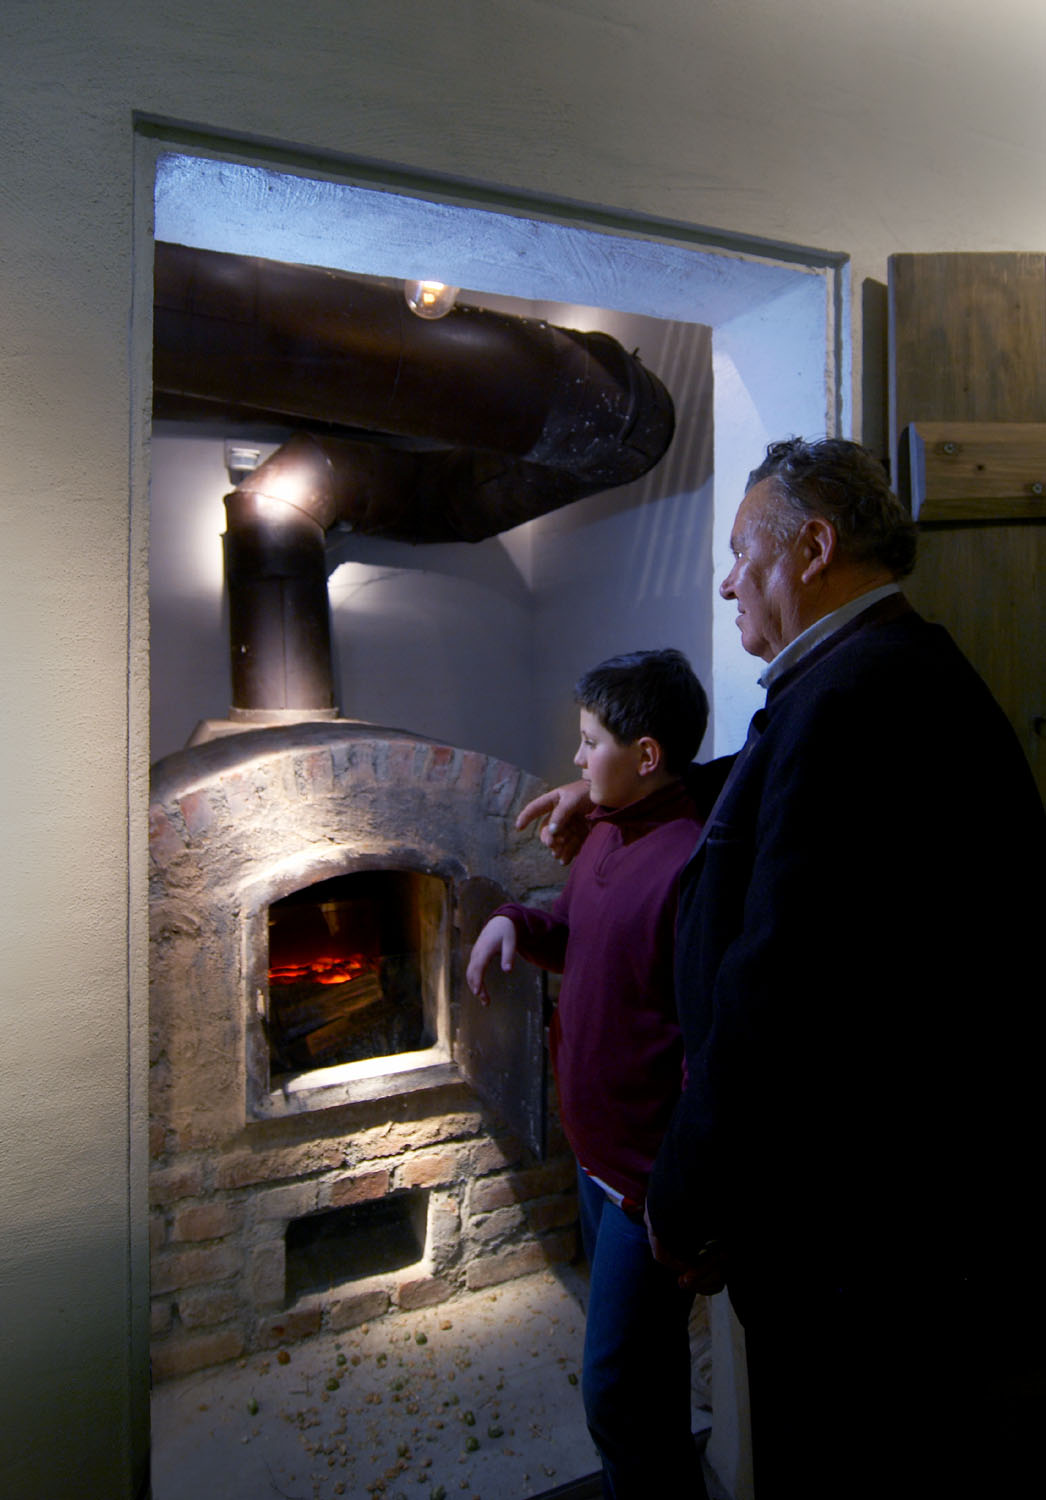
x,y
354,965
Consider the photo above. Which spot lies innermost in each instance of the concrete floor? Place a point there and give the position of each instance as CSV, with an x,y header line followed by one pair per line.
x,y
478,1398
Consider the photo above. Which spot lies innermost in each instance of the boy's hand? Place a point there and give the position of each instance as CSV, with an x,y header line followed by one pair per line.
x,y
564,810
498,936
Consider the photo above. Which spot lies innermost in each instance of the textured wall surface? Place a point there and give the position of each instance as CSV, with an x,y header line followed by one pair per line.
x,y
861,128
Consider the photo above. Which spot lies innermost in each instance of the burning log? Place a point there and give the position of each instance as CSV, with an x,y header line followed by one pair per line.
x,y
336,1042
296,1014
312,1025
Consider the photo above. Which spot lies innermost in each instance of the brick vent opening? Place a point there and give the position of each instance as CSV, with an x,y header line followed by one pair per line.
x,y
324,1250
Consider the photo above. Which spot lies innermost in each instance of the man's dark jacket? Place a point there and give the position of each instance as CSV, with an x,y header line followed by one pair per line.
x,y
859,978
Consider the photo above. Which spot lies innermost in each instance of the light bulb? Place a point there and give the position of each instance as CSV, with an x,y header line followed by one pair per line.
x,y
430,299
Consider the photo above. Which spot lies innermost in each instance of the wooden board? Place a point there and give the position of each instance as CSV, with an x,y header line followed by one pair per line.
x,y
975,471
967,339
985,584
968,346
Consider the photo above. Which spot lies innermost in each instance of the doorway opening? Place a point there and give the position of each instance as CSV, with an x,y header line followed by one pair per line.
x,y
755,339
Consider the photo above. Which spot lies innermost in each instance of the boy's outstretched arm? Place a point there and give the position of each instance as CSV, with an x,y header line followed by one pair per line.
x,y
498,936
564,810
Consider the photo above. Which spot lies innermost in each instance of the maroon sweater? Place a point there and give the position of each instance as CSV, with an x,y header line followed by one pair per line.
x,y
616,1045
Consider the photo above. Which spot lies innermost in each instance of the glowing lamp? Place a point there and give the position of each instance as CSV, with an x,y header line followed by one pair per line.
x,y
430,299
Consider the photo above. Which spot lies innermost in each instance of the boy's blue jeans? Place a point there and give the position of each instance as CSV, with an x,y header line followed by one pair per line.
x,y
636,1371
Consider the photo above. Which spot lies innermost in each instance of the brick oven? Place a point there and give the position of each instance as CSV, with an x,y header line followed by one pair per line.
x,y
337,1126
320,1159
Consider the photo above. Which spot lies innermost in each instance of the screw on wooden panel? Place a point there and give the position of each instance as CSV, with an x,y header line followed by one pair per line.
x,y
1038,488
950,448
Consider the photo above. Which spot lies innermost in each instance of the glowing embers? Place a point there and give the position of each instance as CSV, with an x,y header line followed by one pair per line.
x,y
346,965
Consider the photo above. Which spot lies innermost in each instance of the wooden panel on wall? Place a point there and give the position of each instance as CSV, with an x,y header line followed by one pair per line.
x,y
985,585
968,345
967,339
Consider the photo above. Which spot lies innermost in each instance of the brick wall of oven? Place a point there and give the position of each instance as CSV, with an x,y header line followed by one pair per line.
x,y
224,1183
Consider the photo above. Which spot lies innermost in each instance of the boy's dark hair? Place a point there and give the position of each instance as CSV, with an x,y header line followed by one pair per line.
x,y
653,693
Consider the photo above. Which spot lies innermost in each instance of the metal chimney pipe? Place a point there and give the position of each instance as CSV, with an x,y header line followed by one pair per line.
x,y
236,336
275,568
279,615
475,423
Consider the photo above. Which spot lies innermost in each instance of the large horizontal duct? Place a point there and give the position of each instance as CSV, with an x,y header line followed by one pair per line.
x,y
452,430
523,416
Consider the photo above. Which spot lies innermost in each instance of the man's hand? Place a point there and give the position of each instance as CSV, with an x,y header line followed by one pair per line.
x,y
563,810
498,936
706,1275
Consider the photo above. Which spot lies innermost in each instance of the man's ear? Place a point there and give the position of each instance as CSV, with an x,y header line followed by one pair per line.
x,y
651,756
817,543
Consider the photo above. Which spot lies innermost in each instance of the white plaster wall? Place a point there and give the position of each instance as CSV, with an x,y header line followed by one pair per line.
x,y
898,126
766,365
188,621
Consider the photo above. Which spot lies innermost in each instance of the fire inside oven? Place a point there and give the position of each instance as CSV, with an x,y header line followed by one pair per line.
x,y
347,976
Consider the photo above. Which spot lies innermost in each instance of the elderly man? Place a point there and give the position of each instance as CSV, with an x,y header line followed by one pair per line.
x,y
857,959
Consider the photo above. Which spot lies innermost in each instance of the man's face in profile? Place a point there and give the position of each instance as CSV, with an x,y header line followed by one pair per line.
x,y
763,579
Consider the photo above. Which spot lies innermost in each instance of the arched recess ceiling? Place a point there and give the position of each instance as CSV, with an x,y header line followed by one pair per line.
x,y
779,314
249,210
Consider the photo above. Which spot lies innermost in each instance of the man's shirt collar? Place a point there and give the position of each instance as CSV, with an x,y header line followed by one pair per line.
x,y
820,630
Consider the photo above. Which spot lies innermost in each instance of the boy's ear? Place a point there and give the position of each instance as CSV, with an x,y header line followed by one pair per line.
x,y
651,756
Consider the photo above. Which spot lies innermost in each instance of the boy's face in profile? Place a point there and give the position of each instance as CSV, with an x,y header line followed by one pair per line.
x,y
612,770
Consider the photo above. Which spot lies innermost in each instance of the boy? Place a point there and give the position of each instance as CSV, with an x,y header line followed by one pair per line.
x,y
617,1051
